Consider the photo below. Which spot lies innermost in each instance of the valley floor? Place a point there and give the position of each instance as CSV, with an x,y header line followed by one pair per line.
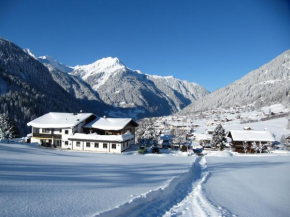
x,y
36,181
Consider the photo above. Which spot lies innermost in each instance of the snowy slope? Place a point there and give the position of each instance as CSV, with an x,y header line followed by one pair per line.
x,y
266,85
54,63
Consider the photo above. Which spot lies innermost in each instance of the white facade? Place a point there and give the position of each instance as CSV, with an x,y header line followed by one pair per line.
x,y
100,146
66,131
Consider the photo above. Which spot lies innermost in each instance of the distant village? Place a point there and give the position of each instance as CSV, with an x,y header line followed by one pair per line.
x,y
182,132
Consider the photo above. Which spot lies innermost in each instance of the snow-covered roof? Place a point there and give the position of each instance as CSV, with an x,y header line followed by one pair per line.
x,y
109,123
96,137
201,136
246,135
59,120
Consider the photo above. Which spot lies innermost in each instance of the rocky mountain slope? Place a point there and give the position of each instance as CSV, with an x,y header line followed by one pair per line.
x,y
266,85
78,89
27,89
181,92
142,94
123,91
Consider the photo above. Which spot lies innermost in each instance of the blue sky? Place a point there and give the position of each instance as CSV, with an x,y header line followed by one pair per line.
x,y
209,42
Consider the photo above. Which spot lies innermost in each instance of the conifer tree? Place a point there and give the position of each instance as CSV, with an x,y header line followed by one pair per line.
x,y
219,137
8,129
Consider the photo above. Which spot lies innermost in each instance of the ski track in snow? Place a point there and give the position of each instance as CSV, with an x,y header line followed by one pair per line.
x,y
180,196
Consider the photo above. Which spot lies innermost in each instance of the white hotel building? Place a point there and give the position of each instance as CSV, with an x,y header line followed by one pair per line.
x,y
84,132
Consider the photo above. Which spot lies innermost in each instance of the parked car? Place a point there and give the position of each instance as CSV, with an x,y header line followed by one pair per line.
x,y
155,150
142,150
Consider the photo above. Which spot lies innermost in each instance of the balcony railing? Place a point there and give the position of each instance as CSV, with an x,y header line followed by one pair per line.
x,y
46,135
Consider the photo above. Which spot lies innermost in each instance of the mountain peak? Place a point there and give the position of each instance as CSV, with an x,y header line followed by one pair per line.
x,y
106,64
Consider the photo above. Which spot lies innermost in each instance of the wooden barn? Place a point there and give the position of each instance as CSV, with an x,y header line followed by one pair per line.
x,y
250,141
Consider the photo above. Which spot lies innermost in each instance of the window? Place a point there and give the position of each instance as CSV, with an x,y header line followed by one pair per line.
x,y
66,142
105,145
78,144
60,130
113,146
45,130
96,145
66,132
88,145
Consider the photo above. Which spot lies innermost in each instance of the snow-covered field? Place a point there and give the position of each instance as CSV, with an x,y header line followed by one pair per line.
x,y
250,185
37,181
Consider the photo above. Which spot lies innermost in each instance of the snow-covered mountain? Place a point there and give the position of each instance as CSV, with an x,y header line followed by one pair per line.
x,y
122,87
98,73
28,89
123,91
54,63
181,92
266,85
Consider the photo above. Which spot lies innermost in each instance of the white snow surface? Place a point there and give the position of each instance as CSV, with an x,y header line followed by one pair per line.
x,y
38,181
59,120
109,123
250,185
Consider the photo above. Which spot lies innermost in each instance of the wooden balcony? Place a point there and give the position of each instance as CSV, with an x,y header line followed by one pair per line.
x,y
46,136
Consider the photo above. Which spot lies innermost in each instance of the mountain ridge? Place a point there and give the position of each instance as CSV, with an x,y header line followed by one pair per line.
x,y
123,88
270,83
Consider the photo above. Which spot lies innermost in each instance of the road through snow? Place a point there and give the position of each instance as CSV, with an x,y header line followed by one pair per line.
x,y
181,196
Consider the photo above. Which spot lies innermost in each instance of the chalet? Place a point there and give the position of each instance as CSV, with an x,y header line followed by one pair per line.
x,y
250,139
84,132
203,139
